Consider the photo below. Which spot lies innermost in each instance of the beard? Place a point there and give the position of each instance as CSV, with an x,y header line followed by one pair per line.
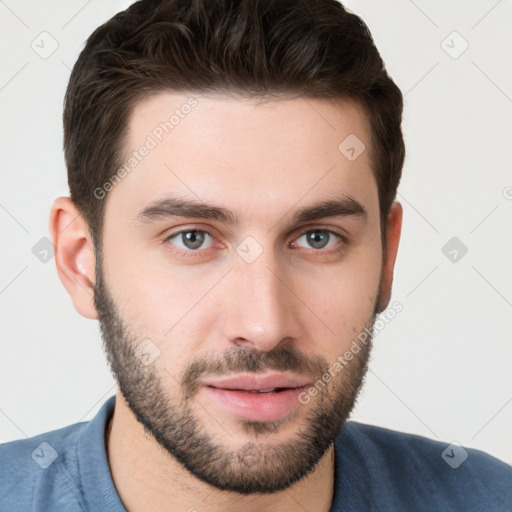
x,y
256,466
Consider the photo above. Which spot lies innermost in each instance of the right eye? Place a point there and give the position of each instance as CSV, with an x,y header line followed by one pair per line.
x,y
191,239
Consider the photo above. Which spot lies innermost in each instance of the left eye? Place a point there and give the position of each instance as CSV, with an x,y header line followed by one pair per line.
x,y
191,239
320,238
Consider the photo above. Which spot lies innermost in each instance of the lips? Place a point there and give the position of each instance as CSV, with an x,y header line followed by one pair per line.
x,y
265,383
267,397
257,397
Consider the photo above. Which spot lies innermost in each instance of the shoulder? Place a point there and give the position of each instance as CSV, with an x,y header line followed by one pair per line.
x,y
403,449
428,474
37,466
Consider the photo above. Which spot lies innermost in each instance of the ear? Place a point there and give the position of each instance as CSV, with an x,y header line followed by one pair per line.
x,y
74,254
393,230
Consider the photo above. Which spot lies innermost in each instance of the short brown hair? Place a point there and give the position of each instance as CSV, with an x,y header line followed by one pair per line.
x,y
255,48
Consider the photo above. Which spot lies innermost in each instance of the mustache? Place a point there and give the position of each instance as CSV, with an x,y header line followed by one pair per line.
x,y
246,360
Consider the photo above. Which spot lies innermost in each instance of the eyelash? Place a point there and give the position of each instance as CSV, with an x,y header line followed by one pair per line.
x,y
193,253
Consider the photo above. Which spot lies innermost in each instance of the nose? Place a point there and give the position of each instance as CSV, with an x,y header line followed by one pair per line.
x,y
261,311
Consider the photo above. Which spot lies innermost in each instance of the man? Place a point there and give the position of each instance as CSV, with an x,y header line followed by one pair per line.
x,y
233,168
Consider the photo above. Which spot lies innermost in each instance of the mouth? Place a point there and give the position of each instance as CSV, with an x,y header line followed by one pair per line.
x,y
258,391
257,397
260,383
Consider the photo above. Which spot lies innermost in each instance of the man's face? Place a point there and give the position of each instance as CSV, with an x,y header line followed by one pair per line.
x,y
187,300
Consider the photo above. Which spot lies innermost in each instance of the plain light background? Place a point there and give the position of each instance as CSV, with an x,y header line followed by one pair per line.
x,y
440,369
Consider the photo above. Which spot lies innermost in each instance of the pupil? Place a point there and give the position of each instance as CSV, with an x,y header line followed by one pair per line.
x,y
317,239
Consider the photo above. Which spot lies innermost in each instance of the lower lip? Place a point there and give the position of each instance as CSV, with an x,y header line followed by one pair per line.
x,y
257,406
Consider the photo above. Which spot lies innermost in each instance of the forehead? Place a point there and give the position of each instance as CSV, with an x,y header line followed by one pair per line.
x,y
254,156
214,120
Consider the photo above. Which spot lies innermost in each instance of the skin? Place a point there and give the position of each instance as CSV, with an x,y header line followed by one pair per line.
x,y
263,161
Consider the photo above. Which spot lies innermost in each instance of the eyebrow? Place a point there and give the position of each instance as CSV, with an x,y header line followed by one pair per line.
x,y
169,207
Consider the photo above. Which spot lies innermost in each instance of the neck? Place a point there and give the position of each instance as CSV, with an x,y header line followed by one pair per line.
x,y
146,477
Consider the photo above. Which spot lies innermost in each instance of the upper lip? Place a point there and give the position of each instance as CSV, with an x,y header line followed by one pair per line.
x,y
259,382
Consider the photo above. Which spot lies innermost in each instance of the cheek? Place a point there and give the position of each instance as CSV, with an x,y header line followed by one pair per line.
x,y
163,303
150,293
344,297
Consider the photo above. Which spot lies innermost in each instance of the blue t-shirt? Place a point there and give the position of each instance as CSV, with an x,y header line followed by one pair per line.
x,y
375,470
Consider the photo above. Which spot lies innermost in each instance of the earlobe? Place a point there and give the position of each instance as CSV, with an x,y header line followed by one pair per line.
x,y
394,228
74,254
